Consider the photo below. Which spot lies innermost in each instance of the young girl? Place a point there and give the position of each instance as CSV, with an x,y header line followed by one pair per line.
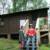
x,y
21,38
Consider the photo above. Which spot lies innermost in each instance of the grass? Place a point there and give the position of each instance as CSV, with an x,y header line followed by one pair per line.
x,y
6,44
44,47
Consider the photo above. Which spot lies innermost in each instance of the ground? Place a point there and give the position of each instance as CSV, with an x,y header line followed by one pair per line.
x,y
44,47
6,44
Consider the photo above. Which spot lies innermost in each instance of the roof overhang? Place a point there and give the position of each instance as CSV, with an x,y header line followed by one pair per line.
x,y
29,11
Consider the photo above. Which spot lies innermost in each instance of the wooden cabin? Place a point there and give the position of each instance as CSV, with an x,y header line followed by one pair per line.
x,y
10,23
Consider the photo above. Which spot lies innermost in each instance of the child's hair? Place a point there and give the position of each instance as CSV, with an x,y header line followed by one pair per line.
x,y
31,25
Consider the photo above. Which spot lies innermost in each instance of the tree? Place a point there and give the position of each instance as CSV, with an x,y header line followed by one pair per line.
x,y
19,5
41,3
4,6
23,5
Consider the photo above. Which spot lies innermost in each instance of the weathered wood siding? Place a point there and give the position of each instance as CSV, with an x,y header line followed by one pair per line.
x,y
11,24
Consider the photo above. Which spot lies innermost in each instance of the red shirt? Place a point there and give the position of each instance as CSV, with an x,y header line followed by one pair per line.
x,y
31,32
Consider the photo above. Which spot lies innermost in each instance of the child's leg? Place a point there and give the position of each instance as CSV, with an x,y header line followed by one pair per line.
x,y
33,42
27,43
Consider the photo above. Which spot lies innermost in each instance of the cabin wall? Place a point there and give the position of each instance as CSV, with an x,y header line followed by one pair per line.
x,y
4,28
12,22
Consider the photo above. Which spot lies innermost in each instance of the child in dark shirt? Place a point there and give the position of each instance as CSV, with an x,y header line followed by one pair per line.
x,y
21,38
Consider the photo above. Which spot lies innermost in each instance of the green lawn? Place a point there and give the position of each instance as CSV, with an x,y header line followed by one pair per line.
x,y
44,47
6,44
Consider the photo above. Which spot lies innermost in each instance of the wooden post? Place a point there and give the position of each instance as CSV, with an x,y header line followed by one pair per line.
x,y
9,37
49,36
38,38
49,32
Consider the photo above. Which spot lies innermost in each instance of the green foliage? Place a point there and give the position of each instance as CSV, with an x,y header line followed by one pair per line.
x,y
18,4
21,5
44,47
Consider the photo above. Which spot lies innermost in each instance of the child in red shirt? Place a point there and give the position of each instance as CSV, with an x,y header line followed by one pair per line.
x,y
31,33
